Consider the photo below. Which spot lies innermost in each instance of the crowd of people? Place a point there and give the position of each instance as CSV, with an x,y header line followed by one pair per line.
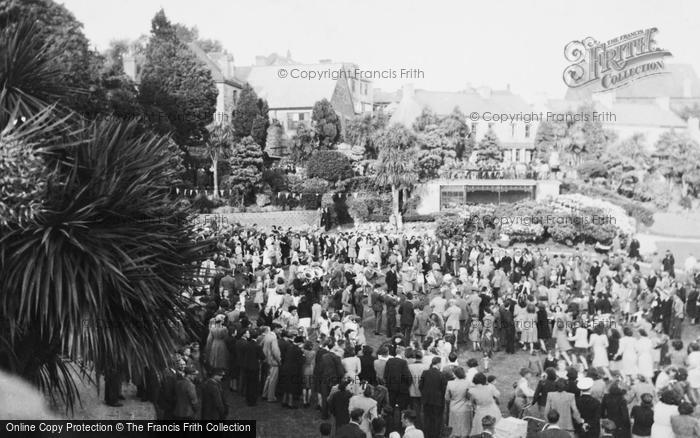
x,y
395,334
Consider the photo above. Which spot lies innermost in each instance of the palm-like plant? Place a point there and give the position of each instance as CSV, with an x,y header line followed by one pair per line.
x,y
95,274
396,165
220,142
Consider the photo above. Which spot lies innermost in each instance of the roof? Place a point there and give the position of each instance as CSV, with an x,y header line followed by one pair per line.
x,y
383,97
444,102
670,84
212,65
292,92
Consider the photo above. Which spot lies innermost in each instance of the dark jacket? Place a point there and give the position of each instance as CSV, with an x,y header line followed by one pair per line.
x,y
407,314
213,402
589,408
432,387
331,369
338,404
397,376
186,401
292,371
166,394
392,281
251,356
350,430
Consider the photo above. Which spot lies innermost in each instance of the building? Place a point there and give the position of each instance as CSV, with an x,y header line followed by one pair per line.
x,y
516,135
291,99
445,194
222,68
676,89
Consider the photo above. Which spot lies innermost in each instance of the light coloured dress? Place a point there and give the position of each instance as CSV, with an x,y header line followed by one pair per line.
x,y
485,404
645,361
457,395
369,406
628,364
599,344
662,420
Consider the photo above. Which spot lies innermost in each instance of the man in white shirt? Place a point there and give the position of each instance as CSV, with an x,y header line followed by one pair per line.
x,y
439,303
408,419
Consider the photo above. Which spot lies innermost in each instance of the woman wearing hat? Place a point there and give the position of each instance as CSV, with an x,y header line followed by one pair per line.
x,y
217,356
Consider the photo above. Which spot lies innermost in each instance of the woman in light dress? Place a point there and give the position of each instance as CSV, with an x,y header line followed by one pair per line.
x,y
484,397
599,344
560,333
529,328
628,352
645,360
460,407
353,367
664,409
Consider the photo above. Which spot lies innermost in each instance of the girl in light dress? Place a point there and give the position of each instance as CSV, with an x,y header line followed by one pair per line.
x,y
628,353
599,344
256,260
645,361
259,294
475,334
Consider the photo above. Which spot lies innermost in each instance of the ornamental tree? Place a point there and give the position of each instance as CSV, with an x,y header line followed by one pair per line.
x,y
326,123
246,161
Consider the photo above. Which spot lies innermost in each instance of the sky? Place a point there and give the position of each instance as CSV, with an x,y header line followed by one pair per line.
x,y
453,43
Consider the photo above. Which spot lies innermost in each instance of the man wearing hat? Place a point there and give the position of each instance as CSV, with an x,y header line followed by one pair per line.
x,y
488,424
589,408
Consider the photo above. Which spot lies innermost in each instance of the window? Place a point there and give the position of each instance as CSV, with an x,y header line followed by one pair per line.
x,y
517,155
301,117
490,125
451,196
291,124
527,131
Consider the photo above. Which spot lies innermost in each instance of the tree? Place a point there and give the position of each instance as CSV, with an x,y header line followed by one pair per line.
x,y
302,145
589,139
395,166
177,85
326,123
455,129
330,165
360,131
219,144
488,152
676,156
55,28
250,116
246,163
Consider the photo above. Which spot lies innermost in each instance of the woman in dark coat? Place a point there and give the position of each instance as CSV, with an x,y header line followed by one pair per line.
x,y
614,407
292,373
544,331
367,373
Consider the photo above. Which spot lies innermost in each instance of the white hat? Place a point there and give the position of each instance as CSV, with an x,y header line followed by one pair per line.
x,y
585,383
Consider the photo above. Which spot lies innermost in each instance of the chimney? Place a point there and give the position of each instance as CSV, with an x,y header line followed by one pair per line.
x,y
663,102
484,92
687,88
260,60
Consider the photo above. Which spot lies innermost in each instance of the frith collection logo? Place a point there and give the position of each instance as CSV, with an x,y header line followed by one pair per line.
x,y
614,63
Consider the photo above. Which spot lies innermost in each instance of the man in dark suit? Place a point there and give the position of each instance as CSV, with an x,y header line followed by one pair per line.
x,y
397,378
432,388
252,355
407,316
213,402
391,301
392,280
330,373
165,400
507,326
352,429
552,429
589,408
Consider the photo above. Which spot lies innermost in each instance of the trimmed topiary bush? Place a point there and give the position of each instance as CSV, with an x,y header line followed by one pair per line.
x,y
329,165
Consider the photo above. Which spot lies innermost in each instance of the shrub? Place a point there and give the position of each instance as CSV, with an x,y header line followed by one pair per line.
x,y
641,213
419,218
276,179
368,204
563,230
686,202
204,205
355,184
329,165
450,227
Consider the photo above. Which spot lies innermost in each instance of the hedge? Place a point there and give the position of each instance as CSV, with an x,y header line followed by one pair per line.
x,y
329,165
